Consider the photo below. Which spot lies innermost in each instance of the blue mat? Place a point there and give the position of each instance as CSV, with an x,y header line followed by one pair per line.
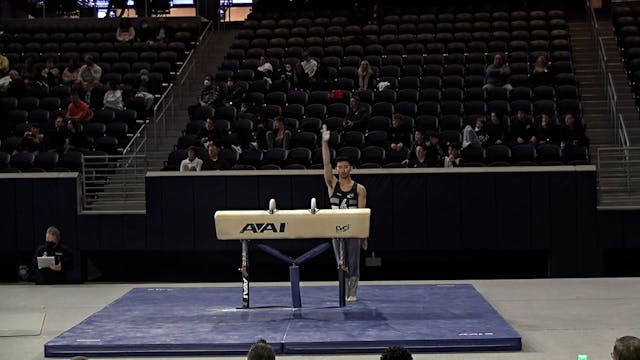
x,y
206,321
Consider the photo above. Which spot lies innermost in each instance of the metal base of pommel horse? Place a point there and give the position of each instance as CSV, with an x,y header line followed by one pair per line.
x,y
261,225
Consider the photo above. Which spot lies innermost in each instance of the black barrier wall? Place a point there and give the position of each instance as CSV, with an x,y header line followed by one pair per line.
x,y
538,209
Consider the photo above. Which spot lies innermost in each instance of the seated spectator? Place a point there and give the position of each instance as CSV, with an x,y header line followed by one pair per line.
x,y
365,76
113,96
50,74
260,350
78,140
208,95
214,162
4,64
78,109
497,74
89,76
280,137
191,163
63,260
418,139
300,78
125,31
17,87
453,159
481,131
573,133
420,158
30,73
322,79
141,89
164,33
358,116
288,73
32,140
474,135
261,133
265,70
540,75
626,348
522,129
547,132
57,137
228,93
496,130
71,73
209,132
396,353
309,65
146,33
398,136
434,152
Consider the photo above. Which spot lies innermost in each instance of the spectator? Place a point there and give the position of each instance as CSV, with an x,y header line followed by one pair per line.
x,y
626,348
141,89
357,117
71,73
260,350
522,129
4,64
573,133
453,159
365,76
146,33
164,33
418,139
33,139
540,74
57,137
420,158
300,78
309,65
55,273
113,96
399,136
469,137
208,95
89,76
262,125
50,74
497,74
191,163
288,74
17,86
78,109
78,140
209,132
228,93
547,132
496,131
396,353
265,70
125,32
29,71
434,152
280,137
480,131
214,162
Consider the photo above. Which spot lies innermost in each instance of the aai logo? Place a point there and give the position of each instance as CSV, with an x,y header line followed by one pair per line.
x,y
259,228
342,228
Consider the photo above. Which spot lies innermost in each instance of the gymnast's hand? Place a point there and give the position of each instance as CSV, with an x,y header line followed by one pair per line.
x,y
364,243
326,134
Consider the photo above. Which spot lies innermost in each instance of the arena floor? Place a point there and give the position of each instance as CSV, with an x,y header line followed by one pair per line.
x,y
557,318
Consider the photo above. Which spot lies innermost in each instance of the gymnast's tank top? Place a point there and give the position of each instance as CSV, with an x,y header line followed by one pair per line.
x,y
344,199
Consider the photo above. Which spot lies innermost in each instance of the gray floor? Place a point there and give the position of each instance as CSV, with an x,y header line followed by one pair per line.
x,y
557,318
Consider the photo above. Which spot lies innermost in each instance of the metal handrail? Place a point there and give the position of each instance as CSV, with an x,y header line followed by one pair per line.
x,y
622,132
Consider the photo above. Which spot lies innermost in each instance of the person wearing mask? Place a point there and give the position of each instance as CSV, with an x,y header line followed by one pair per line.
x,y
113,97
208,95
55,273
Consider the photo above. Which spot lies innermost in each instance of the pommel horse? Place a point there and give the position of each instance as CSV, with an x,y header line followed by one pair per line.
x,y
260,225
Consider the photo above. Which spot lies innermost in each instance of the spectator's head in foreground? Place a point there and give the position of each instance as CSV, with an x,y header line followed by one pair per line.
x,y
261,350
626,348
396,353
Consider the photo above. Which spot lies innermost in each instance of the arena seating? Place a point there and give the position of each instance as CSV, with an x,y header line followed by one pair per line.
x,y
434,64
36,40
627,30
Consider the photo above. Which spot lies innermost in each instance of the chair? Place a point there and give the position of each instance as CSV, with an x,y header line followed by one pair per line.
x,y
300,156
373,154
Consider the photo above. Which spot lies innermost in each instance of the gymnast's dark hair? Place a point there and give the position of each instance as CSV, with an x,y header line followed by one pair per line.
x,y
396,353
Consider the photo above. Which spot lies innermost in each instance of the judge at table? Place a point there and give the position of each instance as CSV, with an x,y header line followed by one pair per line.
x,y
55,273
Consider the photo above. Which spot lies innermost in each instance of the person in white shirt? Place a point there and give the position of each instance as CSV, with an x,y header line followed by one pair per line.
x,y
265,68
113,97
453,160
191,163
309,65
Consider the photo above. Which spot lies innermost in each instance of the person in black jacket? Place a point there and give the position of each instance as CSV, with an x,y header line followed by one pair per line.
x,y
357,117
55,273
547,132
